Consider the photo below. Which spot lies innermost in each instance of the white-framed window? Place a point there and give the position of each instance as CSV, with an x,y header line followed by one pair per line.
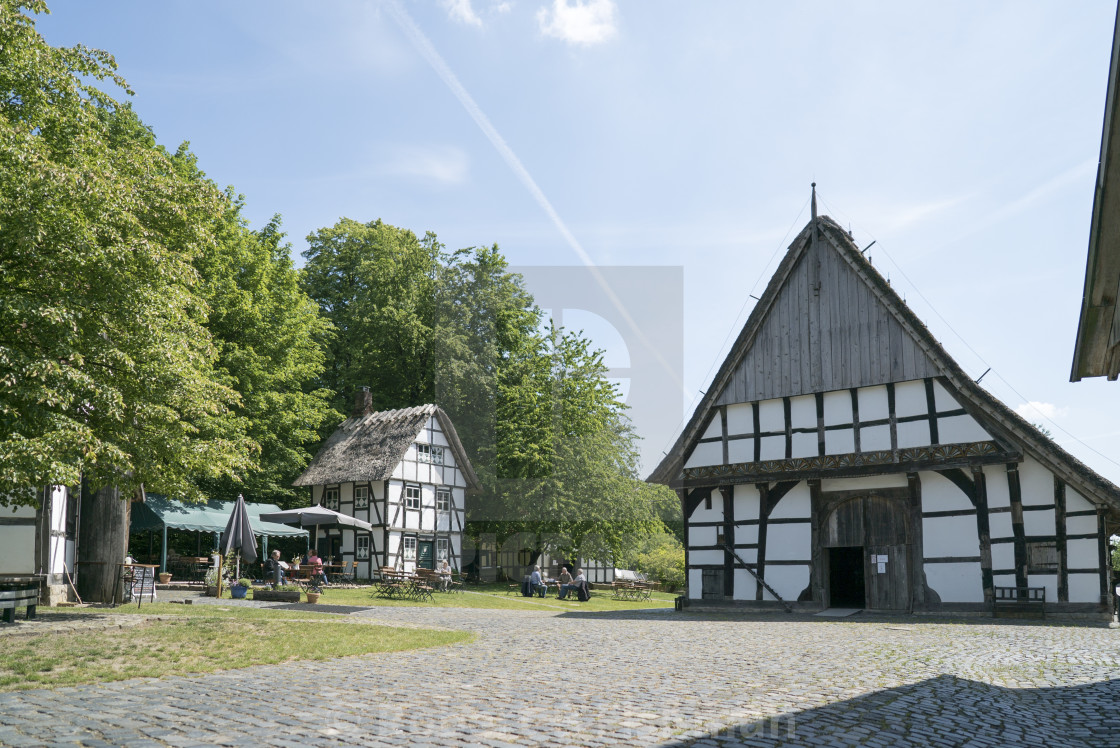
x,y
443,499
409,542
361,497
412,497
330,498
428,453
361,547
441,549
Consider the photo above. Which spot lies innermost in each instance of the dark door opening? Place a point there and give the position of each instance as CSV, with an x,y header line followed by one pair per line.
x,y
845,577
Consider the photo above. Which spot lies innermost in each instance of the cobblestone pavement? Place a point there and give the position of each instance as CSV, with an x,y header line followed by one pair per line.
x,y
643,678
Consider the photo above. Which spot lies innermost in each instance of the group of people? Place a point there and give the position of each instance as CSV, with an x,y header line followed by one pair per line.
x,y
538,585
277,569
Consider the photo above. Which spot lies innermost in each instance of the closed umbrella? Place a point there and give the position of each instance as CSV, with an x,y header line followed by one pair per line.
x,y
239,535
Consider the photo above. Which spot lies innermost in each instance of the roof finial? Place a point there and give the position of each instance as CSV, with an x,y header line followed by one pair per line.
x,y
814,202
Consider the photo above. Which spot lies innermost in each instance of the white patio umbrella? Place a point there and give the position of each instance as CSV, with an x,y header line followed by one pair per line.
x,y
315,516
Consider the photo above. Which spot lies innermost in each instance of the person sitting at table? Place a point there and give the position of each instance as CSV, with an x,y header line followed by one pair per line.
x,y
274,569
536,582
316,564
444,573
579,585
565,576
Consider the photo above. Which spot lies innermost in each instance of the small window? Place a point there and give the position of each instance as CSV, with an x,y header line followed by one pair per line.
x,y
428,453
412,497
361,549
441,549
1042,558
409,547
443,499
330,498
361,497
437,455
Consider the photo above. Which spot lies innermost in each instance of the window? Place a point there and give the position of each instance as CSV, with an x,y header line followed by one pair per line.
x,y
428,453
443,499
361,497
441,549
1042,558
412,498
330,498
361,549
409,542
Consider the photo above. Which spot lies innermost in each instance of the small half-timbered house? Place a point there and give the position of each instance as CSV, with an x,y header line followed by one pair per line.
x,y
403,471
841,458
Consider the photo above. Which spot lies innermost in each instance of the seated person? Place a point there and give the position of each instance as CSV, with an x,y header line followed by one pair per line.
x,y
536,582
443,571
579,585
316,564
274,569
565,576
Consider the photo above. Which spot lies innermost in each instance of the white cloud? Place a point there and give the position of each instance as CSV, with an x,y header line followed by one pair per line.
x,y
1033,410
580,22
461,10
444,165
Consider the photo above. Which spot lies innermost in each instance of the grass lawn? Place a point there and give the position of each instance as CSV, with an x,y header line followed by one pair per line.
x,y
186,639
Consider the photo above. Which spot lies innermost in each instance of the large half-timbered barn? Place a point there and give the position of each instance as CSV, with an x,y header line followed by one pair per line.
x,y
403,471
841,458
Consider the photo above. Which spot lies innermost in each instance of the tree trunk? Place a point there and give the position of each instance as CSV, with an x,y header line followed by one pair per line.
x,y
102,543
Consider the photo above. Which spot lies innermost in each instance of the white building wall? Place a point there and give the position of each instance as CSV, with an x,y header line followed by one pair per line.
x,y
949,536
956,583
796,504
18,542
788,542
1084,588
939,494
787,581
1035,482
746,502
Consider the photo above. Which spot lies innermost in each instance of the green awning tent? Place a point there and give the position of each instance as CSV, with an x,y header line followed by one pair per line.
x,y
158,513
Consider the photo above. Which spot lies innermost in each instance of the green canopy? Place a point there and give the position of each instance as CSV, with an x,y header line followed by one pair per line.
x,y
158,512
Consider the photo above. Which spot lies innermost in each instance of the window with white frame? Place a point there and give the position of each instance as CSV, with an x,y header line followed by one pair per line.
x,y
361,497
441,549
428,453
443,499
361,547
409,542
412,497
330,498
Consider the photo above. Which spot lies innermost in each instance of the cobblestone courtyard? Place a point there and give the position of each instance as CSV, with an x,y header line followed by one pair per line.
x,y
645,678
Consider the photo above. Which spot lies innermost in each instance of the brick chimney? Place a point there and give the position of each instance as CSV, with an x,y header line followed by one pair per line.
x,y
363,402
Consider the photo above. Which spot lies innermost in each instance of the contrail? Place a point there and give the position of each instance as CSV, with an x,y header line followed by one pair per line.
x,y
429,53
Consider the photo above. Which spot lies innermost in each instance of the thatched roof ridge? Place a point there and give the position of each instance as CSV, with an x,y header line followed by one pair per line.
x,y
368,447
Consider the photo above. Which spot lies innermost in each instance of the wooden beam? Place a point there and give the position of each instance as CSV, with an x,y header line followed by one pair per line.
x,y
1060,539
729,540
757,432
855,418
820,424
816,568
788,415
723,432
931,409
916,560
1016,493
760,554
983,531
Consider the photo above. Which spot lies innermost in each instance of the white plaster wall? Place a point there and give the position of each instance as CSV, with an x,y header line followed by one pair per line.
x,y
715,427
787,581
995,481
956,583
1080,525
740,450
58,560
874,438
1075,502
708,453
746,534
949,536
1084,588
894,480
1003,555
744,585
750,555
942,400
939,494
960,430
805,445
1082,554
695,584
1039,522
788,543
745,500
773,448
408,470
701,536
740,419
1049,581
910,398
771,415
839,442
1003,580
796,504
715,514
803,412
837,407
698,558
914,434
873,403
18,542
437,434
1036,483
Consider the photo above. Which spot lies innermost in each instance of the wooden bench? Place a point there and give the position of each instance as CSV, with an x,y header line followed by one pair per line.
x,y
1019,602
18,594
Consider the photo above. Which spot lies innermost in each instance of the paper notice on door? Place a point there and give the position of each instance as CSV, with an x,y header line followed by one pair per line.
x,y
882,568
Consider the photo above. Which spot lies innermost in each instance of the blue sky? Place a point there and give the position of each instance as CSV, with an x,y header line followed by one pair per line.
x,y
962,137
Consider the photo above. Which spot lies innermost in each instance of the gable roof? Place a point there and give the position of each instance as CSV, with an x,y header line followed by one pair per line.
x,y
368,447
768,361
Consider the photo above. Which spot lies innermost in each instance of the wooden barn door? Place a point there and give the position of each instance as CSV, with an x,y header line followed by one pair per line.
x,y
886,544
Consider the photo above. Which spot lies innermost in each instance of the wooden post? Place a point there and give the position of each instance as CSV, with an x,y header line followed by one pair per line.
x,y
1060,543
983,530
1016,493
916,542
728,540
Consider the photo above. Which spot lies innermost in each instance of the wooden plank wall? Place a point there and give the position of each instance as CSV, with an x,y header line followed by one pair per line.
x,y
826,331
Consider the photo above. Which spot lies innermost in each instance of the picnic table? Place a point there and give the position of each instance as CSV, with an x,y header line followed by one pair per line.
x,y
401,585
634,591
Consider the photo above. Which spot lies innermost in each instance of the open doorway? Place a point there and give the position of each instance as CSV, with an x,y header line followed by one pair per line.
x,y
845,577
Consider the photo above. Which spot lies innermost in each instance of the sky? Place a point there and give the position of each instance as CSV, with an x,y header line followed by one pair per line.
x,y
961,137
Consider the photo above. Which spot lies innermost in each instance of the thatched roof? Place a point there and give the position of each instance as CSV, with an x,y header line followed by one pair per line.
x,y
368,447
1004,423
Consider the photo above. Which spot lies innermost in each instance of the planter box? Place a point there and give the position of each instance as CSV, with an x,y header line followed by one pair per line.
x,y
277,596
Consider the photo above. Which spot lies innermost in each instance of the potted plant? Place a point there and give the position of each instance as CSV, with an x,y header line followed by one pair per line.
x,y
165,577
313,593
239,589
211,581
